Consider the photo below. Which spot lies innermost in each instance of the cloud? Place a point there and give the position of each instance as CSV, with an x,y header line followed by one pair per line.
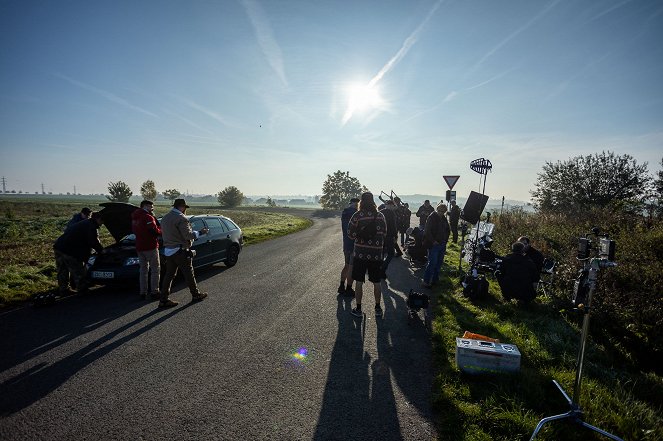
x,y
265,37
108,95
208,112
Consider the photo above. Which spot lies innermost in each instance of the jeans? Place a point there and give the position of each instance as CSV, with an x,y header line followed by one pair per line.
x,y
435,260
149,261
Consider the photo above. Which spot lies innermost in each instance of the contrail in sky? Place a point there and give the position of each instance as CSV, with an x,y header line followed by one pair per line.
x,y
108,95
265,37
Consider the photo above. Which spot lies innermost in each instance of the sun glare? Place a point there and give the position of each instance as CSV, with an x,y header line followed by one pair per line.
x,y
362,98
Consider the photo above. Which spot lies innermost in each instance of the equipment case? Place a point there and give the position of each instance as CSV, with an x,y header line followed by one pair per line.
x,y
478,356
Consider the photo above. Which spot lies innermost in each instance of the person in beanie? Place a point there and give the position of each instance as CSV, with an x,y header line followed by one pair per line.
x,y
177,240
367,228
147,230
436,236
76,218
345,288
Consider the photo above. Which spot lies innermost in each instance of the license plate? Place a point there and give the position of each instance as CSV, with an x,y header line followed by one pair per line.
x,y
103,274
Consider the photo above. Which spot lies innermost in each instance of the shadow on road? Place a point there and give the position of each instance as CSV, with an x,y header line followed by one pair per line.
x,y
359,401
30,332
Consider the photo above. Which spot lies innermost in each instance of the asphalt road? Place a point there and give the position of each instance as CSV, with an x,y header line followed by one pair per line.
x,y
272,354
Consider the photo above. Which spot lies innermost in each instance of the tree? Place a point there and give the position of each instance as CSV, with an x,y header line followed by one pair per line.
x,y
119,192
230,197
171,194
594,180
270,202
148,190
338,189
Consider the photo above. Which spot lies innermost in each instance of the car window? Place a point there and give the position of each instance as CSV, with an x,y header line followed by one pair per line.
x,y
215,226
197,224
231,225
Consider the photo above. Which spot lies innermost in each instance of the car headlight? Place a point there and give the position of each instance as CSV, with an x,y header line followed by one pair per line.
x,y
91,260
131,261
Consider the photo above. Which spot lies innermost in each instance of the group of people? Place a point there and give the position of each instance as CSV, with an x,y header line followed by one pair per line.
x,y
370,241
73,249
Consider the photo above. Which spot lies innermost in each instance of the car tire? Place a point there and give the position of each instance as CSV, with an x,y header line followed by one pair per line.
x,y
232,256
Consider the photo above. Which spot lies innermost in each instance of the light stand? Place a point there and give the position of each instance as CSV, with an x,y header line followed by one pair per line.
x,y
575,412
481,166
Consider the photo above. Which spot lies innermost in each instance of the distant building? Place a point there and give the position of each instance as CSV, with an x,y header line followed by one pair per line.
x,y
297,202
261,201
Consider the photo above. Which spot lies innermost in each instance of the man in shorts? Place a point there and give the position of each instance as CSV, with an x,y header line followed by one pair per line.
x,y
368,229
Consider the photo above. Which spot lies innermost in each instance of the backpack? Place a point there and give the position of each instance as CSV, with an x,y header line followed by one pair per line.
x,y
369,230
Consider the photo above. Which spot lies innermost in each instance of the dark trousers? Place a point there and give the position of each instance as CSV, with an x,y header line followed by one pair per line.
x,y
68,266
389,243
184,263
454,230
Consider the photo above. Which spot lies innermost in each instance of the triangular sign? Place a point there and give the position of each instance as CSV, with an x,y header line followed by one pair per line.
x,y
451,181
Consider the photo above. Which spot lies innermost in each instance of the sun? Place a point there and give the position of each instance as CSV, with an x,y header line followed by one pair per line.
x,y
362,98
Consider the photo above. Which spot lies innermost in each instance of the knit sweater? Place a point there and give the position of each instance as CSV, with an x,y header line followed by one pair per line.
x,y
367,249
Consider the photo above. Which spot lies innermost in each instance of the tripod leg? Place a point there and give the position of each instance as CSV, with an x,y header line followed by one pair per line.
x,y
549,419
566,396
597,430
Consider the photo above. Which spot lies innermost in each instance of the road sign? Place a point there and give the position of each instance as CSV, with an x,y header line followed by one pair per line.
x,y
451,181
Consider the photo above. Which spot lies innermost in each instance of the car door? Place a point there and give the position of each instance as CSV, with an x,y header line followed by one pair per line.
x,y
220,238
202,245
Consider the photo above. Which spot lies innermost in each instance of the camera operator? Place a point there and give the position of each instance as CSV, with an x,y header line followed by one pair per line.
x,y
517,275
177,240
532,253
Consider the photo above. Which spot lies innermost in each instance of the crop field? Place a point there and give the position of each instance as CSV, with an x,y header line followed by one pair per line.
x,y
28,229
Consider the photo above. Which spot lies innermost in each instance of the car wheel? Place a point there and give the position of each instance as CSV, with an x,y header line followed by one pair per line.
x,y
233,255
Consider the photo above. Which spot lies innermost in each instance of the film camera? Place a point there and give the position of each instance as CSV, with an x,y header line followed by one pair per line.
x,y
605,256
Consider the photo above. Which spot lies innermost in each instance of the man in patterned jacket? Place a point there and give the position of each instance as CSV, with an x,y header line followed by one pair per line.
x,y
368,229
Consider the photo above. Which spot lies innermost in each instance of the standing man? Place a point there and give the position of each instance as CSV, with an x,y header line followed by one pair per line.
x,y
177,240
76,218
389,213
367,228
404,222
345,288
454,217
423,212
436,236
72,251
147,231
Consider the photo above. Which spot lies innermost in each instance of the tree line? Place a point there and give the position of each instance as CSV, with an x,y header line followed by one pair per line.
x,y
119,191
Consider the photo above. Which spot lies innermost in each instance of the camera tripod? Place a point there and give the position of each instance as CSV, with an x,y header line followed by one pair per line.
x,y
575,413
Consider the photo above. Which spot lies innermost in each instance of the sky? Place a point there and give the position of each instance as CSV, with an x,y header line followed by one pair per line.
x,y
272,96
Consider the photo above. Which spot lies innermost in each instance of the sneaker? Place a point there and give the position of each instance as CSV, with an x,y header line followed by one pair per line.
x,y
341,288
357,312
349,292
198,297
378,311
168,303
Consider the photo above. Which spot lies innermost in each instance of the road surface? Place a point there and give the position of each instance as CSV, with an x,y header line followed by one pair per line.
x,y
272,354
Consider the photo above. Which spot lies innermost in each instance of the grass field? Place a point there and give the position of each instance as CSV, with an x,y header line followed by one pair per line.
x,y
616,396
28,229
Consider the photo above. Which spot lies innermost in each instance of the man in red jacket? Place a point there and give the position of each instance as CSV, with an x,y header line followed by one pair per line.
x,y
147,231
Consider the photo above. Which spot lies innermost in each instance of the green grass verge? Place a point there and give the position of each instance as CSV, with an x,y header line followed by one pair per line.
x,y
28,231
616,398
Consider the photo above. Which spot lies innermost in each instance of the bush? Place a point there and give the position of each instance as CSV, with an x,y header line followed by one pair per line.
x,y
628,302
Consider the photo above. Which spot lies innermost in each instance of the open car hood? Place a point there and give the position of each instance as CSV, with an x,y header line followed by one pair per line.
x,y
117,218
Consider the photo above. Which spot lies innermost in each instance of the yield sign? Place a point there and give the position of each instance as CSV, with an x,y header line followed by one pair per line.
x,y
451,181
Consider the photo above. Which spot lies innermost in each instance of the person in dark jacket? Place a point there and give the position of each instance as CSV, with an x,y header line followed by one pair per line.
x,y
436,236
518,275
403,215
532,253
76,218
454,217
345,287
72,251
423,212
389,213
147,230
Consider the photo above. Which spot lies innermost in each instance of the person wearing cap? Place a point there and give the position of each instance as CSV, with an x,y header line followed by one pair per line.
x,y
436,236
345,287
72,251
367,228
178,236
76,218
147,230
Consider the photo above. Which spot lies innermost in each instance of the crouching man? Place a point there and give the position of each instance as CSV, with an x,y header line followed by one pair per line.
x,y
72,251
518,275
